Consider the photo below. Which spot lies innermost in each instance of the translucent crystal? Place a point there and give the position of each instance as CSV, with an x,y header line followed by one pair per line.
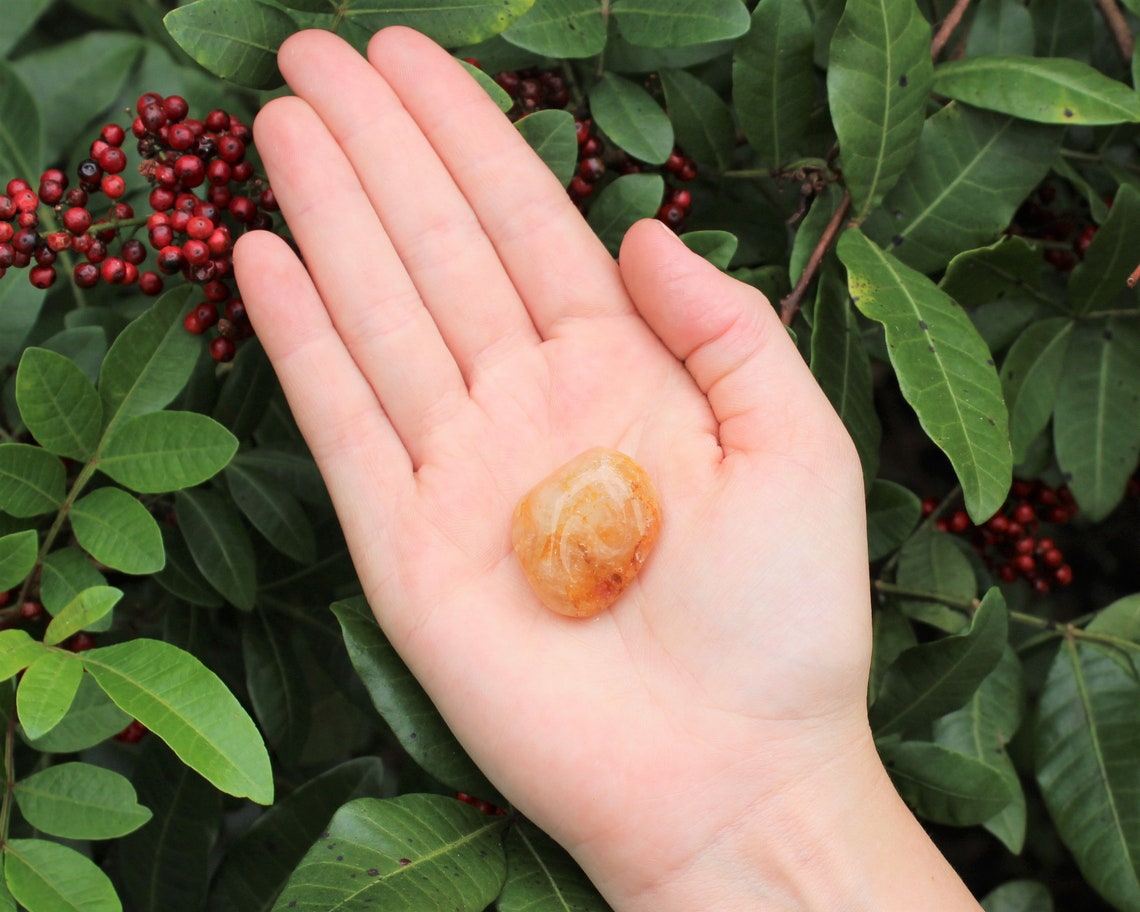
x,y
583,533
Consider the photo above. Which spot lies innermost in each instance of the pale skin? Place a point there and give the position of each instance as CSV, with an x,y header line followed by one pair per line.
x,y
457,332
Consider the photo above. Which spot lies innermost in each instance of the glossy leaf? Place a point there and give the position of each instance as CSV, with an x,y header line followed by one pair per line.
x,y
892,513
175,696
542,877
1018,896
630,117
1054,90
117,530
458,22
404,854
150,361
718,247
65,573
21,128
773,81
58,404
620,204
1085,743
1098,281
971,172
91,719
702,123
945,786
931,562
86,609
551,135
678,23
48,877
1030,376
234,39
944,369
1095,432
17,651
403,704
181,576
274,512
983,729
878,81
80,801
259,863
169,856
561,28
219,544
279,695
1000,27
166,451
32,480
932,679
46,690
842,367
17,557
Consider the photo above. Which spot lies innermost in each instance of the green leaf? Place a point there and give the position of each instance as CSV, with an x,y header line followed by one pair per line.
x,y
46,690
773,80
170,856
1030,377
931,562
17,651
279,695
892,513
678,23
87,608
892,634
718,247
878,81
944,369
18,21
58,404
1007,269
943,785
181,576
150,361
248,385
1054,90
1000,27
219,544
1062,29
842,367
932,679
80,801
492,88
972,170
1018,896
1100,278
405,854
91,719
48,877
457,23
403,704
273,511
1095,432
66,572
541,875
551,135
32,480
702,122
115,529
623,202
983,729
234,39
20,303
187,706
1085,743
17,557
21,128
166,451
561,28
631,118
257,866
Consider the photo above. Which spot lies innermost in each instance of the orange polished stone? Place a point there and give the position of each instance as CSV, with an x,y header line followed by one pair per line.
x,y
583,533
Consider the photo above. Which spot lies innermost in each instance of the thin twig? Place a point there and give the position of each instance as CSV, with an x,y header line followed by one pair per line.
x,y
946,29
1118,26
790,305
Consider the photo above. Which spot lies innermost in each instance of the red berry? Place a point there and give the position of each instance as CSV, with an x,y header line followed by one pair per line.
x,y
591,168
1025,545
112,160
176,107
7,208
51,192
222,349
231,149
218,173
25,200
16,184
170,259
180,137
150,283
190,170
958,522
114,271
86,275
243,171
242,208
199,228
1053,558
113,186
81,642
1025,564
196,252
112,134
1063,575
1059,515
671,214
31,610
133,733
217,121
1024,513
42,276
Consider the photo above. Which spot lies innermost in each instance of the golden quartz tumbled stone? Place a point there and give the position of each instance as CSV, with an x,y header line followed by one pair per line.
x,y
583,533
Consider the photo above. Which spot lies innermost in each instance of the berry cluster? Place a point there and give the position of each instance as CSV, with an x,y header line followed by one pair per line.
x,y
532,89
1058,218
480,804
203,193
1010,542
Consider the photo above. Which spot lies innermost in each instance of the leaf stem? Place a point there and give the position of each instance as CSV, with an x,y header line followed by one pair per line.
x,y
9,778
946,29
790,305
1118,25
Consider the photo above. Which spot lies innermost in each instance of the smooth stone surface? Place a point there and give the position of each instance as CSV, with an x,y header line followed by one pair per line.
x,y
584,532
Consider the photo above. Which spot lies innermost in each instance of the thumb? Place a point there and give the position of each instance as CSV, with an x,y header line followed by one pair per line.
x,y
733,345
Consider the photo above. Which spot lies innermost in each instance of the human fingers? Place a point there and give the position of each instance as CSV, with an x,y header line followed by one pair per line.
x,y
370,298
554,259
430,224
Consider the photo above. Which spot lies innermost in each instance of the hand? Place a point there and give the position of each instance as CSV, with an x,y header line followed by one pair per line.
x,y
457,332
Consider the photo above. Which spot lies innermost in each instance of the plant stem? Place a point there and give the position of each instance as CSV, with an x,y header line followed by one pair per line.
x,y
1118,26
946,29
790,305
9,779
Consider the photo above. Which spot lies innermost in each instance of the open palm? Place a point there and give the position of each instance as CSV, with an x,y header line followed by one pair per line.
x,y
456,333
